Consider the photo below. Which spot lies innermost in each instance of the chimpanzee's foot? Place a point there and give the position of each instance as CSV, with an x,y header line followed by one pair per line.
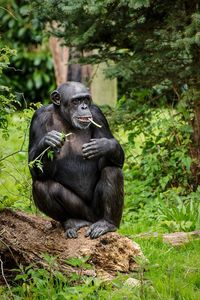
x,y
99,228
71,226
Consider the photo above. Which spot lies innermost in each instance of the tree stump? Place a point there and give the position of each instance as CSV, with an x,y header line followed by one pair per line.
x,y
25,238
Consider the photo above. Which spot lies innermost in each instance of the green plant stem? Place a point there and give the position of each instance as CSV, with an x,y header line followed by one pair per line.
x,y
39,156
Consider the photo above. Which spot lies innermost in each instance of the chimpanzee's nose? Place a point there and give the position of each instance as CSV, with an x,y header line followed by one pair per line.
x,y
83,106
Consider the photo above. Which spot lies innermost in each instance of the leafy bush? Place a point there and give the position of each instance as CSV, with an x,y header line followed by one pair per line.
x,y
15,180
31,72
6,98
158,164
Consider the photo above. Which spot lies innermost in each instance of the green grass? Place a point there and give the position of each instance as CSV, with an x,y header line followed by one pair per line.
x,y
173,272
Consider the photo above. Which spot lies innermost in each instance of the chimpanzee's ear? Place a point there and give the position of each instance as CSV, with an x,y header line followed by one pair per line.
x,y
55,97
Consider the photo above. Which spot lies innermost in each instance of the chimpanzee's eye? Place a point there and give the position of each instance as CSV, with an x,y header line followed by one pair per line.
x,y
76,101
86,100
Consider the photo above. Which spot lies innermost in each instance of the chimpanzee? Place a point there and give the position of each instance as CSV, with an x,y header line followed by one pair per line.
x,y
82,185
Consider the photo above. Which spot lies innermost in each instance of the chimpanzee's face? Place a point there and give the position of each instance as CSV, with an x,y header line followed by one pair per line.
x,y
77,110
73,101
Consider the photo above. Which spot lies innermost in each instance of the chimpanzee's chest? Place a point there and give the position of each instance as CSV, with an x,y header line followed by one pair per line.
x,y
73,144
72,170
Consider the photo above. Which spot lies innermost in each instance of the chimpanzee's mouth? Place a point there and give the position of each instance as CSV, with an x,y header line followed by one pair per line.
x,y
85,119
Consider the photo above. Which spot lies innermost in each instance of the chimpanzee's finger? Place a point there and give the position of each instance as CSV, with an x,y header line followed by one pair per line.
x,y
89,148
88,144
54,139
53,143
56,134
90,229
96,233
94,155
90,153
88,232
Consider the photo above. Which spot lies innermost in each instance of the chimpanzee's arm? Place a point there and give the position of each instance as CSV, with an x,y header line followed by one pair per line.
x,y
103,144
37,131
41,137
41,134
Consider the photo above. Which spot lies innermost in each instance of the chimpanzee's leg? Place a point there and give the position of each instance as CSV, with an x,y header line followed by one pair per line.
x,y
62,205
107,202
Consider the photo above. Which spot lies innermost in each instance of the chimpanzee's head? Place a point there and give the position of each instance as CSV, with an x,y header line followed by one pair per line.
x,y
73,101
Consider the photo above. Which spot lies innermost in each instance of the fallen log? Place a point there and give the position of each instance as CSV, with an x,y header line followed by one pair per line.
x,y
25,238
174,238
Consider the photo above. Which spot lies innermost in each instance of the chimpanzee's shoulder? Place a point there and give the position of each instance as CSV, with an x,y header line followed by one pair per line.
x,y
43,111
98,115
95,109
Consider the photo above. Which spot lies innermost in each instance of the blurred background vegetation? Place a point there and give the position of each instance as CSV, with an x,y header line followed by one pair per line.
x,y
153,49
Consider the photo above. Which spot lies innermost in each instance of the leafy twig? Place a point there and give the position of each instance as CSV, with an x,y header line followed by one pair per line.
x,y
37,160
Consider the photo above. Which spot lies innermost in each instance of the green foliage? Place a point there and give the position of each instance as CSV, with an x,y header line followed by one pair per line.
x,y
182,214
7,101
79,262
31,70
6,98
153,43
15,181
171,274
158,178
50,283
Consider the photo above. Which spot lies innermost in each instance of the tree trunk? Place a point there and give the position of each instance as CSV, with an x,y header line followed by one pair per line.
x,y
60,57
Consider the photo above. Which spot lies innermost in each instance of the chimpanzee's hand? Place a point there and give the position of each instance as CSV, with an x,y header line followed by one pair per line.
x,y
97,148
54,139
